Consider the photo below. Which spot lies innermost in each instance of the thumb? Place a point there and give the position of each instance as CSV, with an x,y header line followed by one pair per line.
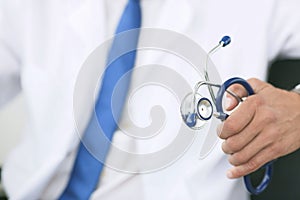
x,y
257,84
234,92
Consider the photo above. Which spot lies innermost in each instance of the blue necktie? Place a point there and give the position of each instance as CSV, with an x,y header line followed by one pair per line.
x,y
87,169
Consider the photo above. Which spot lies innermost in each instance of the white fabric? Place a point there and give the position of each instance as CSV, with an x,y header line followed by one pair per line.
x,y
45,43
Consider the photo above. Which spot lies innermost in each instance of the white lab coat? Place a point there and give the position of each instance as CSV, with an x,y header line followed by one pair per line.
x,y
46,43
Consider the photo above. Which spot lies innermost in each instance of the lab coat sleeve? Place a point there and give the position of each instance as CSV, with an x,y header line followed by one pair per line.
x,y
9,58
284,37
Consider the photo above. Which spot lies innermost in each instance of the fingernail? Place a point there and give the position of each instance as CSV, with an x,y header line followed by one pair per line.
x,y
228,103
219,129
229,174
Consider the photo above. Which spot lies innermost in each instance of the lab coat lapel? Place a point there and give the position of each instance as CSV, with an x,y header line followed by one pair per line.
x,y
85,21
88,21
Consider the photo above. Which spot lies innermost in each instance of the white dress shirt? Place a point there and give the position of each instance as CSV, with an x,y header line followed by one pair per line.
x,y
45,43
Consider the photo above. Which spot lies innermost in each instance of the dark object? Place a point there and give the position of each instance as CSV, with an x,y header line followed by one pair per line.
x,y
285,182
1,197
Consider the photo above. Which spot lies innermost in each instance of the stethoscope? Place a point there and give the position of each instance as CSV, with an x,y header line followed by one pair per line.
x,y
200,109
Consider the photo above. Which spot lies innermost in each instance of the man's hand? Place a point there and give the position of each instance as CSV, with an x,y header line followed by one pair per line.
x,y
264,127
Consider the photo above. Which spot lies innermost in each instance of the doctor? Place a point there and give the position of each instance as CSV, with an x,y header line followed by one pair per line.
x,y
43,45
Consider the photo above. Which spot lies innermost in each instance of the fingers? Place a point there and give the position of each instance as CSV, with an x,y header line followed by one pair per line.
x,y
249,133
253,164
239,119
255,145
264,137
239,142
249,151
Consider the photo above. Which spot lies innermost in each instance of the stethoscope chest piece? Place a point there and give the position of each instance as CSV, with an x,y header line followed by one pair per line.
x,y
196,110
204,109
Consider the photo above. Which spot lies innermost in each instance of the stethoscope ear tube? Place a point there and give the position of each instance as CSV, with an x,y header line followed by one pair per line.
x,y
223,116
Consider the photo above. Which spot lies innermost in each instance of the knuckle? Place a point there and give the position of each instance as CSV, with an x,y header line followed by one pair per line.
x,y
267,138
252,165
237,159
225,148
219,130
269,116
273,116
233,145
230,126
258,100
270,136
232,161
253,80
276,150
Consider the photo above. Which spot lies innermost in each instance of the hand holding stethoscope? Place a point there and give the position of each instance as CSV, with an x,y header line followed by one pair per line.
x,y
196,109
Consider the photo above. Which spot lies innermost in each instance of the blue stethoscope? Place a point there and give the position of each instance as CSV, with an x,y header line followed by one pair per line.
x,y
201,110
